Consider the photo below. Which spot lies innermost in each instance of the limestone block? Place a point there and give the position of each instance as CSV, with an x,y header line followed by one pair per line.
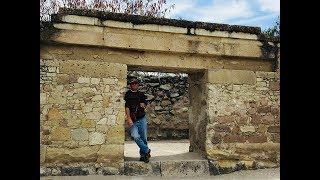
x,y
224,76
80,134
81,20
115,134
60,134
63,155
110,153
247,128
96,138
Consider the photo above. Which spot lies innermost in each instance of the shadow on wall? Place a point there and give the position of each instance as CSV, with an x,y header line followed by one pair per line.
x,y
168,104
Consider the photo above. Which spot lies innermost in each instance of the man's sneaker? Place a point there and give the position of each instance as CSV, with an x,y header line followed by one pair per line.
x,y
146,159
141,158
148,154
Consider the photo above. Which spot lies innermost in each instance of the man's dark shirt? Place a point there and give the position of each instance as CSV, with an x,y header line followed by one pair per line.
x,y
133,100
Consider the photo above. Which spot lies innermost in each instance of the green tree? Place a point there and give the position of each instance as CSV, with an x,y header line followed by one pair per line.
x,y
154,8
273,32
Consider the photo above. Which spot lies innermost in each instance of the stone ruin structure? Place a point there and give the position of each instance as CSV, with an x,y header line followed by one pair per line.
x,y
234,92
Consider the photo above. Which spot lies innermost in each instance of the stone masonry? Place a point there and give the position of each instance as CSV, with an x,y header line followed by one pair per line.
x,y
244,121
234,90
82,117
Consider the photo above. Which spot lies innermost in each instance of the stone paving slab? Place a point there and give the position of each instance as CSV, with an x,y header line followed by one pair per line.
x,y
261,174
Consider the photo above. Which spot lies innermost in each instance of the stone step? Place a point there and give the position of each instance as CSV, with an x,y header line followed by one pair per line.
x,y
182,165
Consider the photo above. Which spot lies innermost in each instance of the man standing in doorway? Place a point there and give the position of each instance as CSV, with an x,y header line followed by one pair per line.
x,y
136,118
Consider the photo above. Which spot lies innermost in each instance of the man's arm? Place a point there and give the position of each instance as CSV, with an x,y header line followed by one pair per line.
x,y
127,110
128,118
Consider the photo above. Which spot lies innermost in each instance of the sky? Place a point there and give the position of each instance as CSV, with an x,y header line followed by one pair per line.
x,y
259,13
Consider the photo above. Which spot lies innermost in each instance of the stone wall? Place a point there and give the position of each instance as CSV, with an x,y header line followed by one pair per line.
x,y
81,117
168,109
198,116
244,125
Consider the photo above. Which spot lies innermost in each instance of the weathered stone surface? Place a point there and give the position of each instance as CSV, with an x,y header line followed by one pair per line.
x,y
62,155
94,80
174,95
264,109
247,129
70,144
83,80
108,171
225,119
157,108
233,138
221,128
165,87
60,134
134,168
215,100
93,69
42,154
257,138
275,138
115,134
74,171
43,98
165,103
96,138
184,168
87,123
109,80
110,153
223,76
80,134
62,79
216,139
106,88
54,114
274,86
274,129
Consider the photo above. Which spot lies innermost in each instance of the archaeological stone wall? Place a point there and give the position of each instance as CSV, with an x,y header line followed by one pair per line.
x,y
81,117
243,130
233,89
168,105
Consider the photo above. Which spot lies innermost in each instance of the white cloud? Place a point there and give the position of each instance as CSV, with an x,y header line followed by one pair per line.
x,y
180,6
221,11
255,20
240,12
270,5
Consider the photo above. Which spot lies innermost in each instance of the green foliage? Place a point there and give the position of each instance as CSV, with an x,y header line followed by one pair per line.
x,y
273,32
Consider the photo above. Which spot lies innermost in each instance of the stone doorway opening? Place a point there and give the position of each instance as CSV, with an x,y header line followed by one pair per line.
x,y
176,125
167,113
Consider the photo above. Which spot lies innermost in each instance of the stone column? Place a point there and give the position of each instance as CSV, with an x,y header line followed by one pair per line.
x,y
198,116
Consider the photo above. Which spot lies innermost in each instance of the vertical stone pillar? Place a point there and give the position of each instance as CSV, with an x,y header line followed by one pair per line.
x,y
198,116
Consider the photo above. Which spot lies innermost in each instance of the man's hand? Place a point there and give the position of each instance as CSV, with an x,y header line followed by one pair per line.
x,y
130,122
142,105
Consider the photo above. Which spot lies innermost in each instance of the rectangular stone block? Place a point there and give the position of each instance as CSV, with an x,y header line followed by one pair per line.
x,y
115,134
225,76
184,168
65,155
136,168
110,153
93,69
81,20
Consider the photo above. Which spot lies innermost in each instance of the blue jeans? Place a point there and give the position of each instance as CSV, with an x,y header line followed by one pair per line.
x,y
139,133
